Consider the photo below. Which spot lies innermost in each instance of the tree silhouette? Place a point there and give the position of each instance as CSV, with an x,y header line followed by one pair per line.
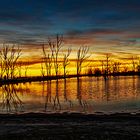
x,y
66,61
48,60
133,63
107,64
55,46
81,58
116,67
9,55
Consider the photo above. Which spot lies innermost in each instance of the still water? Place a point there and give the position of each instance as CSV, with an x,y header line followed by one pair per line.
x,y
86,94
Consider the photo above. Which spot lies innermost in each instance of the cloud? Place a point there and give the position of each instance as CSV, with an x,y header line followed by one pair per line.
x,y
94,31
81,21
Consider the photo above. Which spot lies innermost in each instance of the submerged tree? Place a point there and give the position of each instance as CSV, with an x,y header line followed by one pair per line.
x,y
53,55
116,67
42,69
66,61
102,64
20,68
107,65
55,46
47,60
81,58
9,55
133,63
26,69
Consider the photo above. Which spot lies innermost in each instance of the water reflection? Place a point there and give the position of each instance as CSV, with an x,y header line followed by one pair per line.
x,y
10,100
66,98
48,99
87,94
83,103
56,100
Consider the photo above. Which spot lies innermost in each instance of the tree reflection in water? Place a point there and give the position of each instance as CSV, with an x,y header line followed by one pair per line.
x,y
78,94
52,101
66,99
83,103
56,100
10,99
48,98
107,88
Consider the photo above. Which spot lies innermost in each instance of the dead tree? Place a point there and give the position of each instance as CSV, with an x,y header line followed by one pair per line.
x,y
116,67
47,61
55,47
107,65
9,55
81,58
102,64
66,61
26,70
42,70
125,69
133,63
19,69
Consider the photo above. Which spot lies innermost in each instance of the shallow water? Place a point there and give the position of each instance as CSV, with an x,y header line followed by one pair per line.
x,y
86,94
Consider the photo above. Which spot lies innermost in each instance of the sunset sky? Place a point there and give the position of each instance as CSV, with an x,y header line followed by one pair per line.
x,y
106,26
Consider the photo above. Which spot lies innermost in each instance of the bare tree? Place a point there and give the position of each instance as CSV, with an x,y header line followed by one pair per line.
x,y
125,68
55,46
26,69
53,56
66,61
116,67
42,70
9,55
47,60
19,68
102,64
107,65
133,63
81,58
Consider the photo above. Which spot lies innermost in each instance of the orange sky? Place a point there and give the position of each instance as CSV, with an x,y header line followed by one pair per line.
x,y
32,54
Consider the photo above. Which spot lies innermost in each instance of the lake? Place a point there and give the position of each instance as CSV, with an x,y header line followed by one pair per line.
x,y
85,94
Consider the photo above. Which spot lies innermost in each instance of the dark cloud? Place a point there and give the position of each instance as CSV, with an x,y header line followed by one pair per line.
x,y
93,31
33,20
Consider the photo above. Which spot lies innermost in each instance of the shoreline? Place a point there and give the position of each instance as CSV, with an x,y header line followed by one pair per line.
x,y
69,126
47,78
70,116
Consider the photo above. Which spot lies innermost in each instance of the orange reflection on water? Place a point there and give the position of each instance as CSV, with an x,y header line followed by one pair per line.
x,y
86,94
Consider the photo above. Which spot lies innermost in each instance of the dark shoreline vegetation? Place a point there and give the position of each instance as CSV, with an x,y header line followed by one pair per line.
x,y
47,78
58,126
